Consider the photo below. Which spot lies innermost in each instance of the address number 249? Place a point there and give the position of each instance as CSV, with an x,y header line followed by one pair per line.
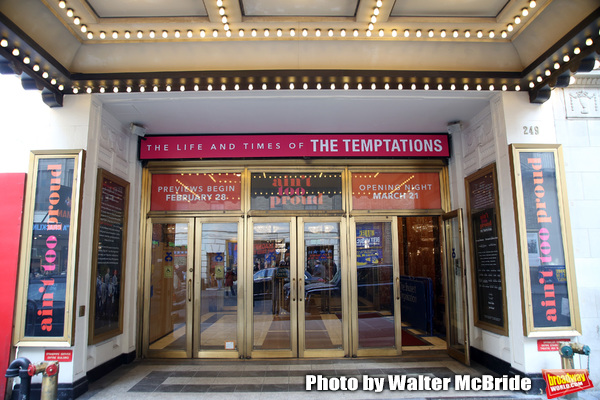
x,y
531,130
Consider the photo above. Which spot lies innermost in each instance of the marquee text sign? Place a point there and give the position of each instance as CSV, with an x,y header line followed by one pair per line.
x,y
400,191
296,191
294,146
196,192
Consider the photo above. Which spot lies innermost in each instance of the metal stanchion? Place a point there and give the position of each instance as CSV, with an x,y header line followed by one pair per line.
x,y
20,368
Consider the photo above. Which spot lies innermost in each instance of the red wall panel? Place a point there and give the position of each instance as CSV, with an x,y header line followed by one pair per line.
x,y
11,215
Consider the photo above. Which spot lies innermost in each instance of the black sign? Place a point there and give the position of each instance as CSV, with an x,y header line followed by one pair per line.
x,y
486,251
487,267
296,191
110,236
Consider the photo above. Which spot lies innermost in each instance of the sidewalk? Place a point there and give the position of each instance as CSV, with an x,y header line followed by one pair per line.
x,y
277,379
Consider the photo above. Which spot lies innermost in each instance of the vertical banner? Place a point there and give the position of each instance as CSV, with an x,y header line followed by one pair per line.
x,y
485,237
550,293
49,249
108,258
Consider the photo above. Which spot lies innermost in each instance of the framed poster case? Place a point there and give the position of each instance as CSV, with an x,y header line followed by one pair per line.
x,y
49,249
487,257
548,285
108,258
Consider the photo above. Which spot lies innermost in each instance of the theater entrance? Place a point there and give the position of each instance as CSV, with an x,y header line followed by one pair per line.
x,y
299,287
192,280
333,264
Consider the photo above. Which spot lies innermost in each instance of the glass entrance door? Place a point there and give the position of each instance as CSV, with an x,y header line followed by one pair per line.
x,y
298,287
219,293
168,295
375,288
457,323
192,297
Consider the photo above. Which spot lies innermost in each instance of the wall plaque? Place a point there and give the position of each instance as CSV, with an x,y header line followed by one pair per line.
x,y
487,263
108,259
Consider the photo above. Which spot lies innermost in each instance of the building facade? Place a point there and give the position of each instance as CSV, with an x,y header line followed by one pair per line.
x,y
246,221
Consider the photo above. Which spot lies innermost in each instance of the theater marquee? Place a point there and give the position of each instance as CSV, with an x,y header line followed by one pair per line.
x,y
295,146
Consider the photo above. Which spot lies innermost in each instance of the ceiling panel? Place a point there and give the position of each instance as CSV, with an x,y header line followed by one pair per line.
x,y
295,111
447,8
148,8
327,8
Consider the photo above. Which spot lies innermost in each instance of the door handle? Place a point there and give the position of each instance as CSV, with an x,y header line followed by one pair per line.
x,y
293,289
299,286
189,290
397,288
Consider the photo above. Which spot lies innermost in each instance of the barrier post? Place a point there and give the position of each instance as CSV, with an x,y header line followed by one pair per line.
x,y
24,369
21,367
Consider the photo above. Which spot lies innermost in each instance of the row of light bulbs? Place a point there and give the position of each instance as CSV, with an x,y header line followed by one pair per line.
x,y
305,86
443,33
142,88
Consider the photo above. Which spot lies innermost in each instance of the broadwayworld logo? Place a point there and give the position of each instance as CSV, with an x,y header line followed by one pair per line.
x,y
560,382
418,383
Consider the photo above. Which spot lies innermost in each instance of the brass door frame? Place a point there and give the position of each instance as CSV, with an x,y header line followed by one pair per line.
x,y
370,352
347,247
197,297
297,314
449,286
308,353
147,352
249,310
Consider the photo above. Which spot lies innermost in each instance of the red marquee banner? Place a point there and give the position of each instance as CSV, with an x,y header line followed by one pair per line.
x,y
295,146
388,191
196,192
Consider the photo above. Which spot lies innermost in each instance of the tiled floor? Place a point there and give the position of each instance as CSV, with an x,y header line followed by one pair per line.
x,y
278,379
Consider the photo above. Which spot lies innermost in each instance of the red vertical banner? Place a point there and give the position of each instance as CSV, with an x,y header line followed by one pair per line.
x,y
11,214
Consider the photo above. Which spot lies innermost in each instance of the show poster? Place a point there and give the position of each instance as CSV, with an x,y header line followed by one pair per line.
x,y
369,244
486,250
547,264
47,293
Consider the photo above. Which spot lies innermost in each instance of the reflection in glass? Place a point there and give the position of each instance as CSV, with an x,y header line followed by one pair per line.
x,y
323,282
374,277
218,314
271,255
168,291
422,291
